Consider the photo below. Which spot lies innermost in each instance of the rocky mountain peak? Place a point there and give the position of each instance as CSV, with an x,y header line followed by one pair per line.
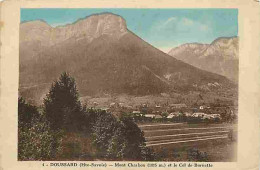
x,y
221,56
224,46
93,27
90,27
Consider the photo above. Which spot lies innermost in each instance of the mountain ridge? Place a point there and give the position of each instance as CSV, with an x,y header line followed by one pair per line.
x,y
220,56
117,63
105,19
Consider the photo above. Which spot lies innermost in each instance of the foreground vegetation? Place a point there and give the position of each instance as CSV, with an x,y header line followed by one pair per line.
x,y
63,129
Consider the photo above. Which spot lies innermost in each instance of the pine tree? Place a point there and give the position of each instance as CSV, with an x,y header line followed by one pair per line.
x,y
62,106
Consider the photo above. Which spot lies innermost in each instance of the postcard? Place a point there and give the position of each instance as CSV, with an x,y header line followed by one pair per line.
x,y
130,84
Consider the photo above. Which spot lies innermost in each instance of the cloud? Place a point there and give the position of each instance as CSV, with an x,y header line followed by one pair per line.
x,y
164,23
173,23
187,22
169,20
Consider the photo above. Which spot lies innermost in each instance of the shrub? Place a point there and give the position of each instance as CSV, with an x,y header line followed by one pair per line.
x,y
119,139
26,112
36,141
104,126
128,142
197,156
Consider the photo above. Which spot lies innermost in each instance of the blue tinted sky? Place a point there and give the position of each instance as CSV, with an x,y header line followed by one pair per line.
x,y
163,28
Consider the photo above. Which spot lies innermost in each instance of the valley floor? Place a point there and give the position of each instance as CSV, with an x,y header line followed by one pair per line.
x,y
186,142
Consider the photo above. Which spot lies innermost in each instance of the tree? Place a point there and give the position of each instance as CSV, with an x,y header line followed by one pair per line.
x,y
35,139
26,112
62,106
164,115
118,139
128,143
104,126
134,139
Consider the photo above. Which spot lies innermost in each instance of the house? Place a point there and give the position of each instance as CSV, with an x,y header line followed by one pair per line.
x,y
158,117
136,112
198,115
187,114
206,116
204,107
150,116
174,114
216,116
211,117
201,107
158,106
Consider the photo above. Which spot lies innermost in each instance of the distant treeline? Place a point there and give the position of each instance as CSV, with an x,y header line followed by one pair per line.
x,y
63,129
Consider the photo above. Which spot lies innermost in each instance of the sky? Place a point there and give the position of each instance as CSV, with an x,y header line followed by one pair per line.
x,y
162,28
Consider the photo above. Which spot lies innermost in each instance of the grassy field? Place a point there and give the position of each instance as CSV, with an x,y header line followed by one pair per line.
x,y
217,150
173,141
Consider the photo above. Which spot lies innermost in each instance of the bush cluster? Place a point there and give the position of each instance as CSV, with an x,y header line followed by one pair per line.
x,y
119,139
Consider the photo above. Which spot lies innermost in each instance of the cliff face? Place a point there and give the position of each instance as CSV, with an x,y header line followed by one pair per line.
x,y
90,28
36,36
221,56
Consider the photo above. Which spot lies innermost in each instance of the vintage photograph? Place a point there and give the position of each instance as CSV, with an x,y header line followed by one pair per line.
x,y
128,84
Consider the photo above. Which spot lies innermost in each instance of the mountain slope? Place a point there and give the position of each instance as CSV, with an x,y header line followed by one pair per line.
x,y
105,59
221,56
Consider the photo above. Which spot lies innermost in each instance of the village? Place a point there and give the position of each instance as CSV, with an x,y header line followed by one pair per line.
x,y
175,112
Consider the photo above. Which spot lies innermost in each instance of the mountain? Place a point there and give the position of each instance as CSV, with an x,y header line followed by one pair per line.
x,y
221,56
105,58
